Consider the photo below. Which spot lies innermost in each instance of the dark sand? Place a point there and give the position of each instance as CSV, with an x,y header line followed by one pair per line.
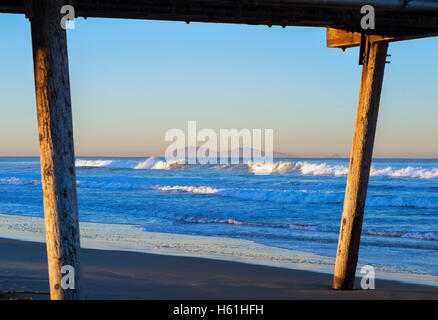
x,y
130,275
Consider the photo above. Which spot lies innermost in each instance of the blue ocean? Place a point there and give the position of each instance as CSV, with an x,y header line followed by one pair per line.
x,y
296,208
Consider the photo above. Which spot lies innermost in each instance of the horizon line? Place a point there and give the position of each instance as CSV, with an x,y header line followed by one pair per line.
x,y
283,157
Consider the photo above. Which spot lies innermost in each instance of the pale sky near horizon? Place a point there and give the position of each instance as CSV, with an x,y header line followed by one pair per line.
x,y
131,81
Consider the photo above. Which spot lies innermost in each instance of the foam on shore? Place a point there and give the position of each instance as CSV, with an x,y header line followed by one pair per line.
x,y
133,238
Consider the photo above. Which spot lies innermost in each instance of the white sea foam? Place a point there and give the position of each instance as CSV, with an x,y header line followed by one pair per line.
x,y
320,169
302,167
93,163
408,172
14,181
324,169
267,167
222,221
156,164
190,189
150,163
11,181
133,238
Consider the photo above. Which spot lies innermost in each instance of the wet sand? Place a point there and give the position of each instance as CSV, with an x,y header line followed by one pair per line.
x,y
131,275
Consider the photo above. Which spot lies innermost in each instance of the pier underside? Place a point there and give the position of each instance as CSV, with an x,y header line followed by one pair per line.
x,y
395,21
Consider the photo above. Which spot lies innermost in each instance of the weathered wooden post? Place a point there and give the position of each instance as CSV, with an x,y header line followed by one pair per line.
x,y
52,87
360,165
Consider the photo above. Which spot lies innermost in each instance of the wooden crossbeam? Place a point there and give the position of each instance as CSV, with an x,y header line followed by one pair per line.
x,y
337,38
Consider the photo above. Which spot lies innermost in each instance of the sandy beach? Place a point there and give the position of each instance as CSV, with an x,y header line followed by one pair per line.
x,y
130,275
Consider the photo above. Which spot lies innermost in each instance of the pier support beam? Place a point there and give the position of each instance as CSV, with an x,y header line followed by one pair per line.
x,y
360,165
52,87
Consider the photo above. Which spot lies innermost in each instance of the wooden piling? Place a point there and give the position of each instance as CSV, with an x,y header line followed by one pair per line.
x,y
360,164
52,88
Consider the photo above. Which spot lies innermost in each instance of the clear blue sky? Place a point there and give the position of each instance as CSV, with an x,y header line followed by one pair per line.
x,y
133,80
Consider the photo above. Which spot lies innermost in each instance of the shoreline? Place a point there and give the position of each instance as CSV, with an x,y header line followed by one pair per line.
x,y
110,274
132,239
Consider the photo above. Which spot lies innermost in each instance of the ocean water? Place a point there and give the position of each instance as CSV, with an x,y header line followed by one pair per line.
x,y
297,208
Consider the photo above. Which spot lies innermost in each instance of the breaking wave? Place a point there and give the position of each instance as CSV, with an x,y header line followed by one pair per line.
x,y
190,189
282,167
321,169
324,169
150,163
408,172
264,168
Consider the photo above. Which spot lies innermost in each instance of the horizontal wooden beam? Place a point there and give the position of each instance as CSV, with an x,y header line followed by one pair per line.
x,y
313,13
337,38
